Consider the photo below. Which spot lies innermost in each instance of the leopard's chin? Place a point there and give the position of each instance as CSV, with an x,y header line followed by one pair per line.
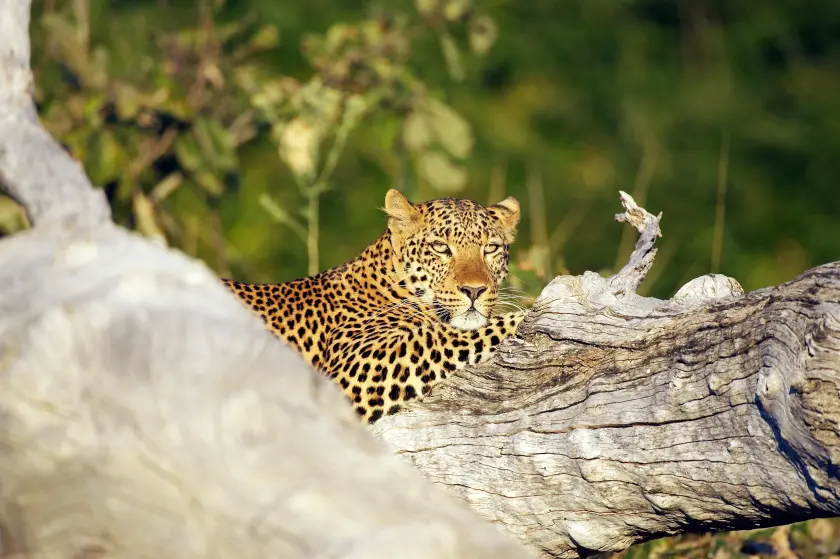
x,y
469,320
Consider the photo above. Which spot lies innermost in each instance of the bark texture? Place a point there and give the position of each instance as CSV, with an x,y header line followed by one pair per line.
x,y
615,418
145,413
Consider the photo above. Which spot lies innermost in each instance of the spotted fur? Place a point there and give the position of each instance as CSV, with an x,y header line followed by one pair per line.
x,y
411,309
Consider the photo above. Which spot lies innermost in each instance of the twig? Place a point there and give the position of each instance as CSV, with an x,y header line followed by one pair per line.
x,y
628,279
498,181
641,186
536,210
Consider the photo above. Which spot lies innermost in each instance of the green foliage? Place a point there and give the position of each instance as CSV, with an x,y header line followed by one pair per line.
x,y
817,539
167,140
202,120
175,109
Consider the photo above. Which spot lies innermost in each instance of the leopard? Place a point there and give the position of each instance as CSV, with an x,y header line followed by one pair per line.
x,y
417,305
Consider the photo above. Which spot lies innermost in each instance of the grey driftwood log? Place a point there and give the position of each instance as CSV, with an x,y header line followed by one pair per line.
x,y
614,418
145,413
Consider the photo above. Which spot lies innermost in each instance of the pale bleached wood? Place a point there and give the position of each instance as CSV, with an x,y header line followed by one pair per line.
x,y
34,169
615,418
146,413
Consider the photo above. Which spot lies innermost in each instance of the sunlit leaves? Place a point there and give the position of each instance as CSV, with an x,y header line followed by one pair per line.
x,y
367,58
298,146
435,122
145,217
438,138
417,134
482,34
266,38
441,173
12,216
443,15
452,56
426,7
106,158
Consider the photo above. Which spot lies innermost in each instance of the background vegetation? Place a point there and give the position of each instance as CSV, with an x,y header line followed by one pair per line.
x,y
262,136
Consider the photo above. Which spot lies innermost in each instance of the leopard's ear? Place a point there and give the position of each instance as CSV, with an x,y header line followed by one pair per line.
x,y
403,217
507,214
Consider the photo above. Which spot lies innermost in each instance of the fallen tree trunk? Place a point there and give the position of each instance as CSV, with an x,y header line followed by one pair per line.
x,y
145,413
616,418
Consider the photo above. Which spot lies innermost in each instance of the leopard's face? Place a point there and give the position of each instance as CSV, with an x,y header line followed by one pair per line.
x,y
453,254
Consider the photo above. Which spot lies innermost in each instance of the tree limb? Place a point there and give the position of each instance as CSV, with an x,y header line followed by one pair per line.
x,y
34,169
144,412
616,418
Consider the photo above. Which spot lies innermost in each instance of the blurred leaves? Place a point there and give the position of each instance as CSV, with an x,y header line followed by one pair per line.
x,y
452,56
166,122
144,133
12,217
444,176
438,138
106,158
483,33
177,122
234,101
816,539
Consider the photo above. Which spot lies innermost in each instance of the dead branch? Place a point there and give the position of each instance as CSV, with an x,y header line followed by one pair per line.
x,y
144,412
615,418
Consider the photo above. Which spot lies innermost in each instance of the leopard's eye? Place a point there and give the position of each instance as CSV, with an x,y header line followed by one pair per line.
x,y
441,248
492,248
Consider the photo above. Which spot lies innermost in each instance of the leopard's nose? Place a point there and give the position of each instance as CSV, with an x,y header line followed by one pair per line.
x,y
472,291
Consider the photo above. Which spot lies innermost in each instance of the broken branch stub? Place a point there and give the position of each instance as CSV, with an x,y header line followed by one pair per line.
x,y
630,277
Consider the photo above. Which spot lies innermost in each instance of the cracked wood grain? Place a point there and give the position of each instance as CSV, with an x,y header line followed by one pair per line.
x,y
614,418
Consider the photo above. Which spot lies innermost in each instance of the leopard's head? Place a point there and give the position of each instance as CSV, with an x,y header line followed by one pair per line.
x,y
452,253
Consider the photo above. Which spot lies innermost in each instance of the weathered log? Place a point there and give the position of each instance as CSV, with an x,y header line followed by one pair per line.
x,y
144,412
615,418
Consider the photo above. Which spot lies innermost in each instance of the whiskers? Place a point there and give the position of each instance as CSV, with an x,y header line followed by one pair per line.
x,y
512,299
422,311
503,306
445,315
410,306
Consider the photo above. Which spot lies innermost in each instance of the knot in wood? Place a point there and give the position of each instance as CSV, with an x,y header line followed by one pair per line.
x,y
715,382
770,385
708,288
